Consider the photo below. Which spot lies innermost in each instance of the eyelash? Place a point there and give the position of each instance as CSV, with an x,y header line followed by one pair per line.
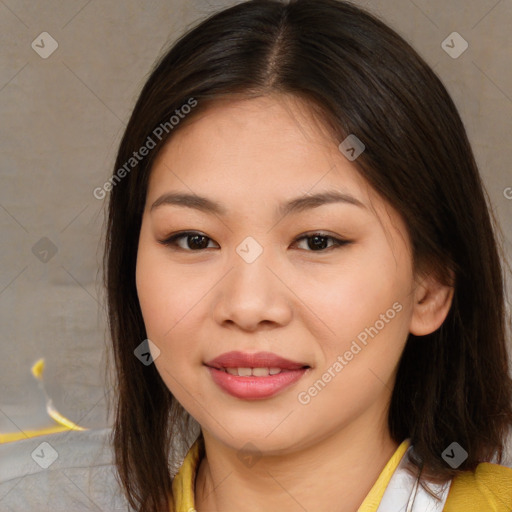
x,y
171,241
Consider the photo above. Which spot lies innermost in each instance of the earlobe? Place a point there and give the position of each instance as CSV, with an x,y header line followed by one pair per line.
x,y
432,303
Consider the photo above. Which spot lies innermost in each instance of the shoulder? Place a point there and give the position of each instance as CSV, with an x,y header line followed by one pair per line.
x,y
487,488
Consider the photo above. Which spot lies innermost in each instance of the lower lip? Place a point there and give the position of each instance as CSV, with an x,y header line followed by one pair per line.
x,y
253,388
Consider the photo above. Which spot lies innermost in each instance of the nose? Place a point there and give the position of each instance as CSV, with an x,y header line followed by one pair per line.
x,y
253,296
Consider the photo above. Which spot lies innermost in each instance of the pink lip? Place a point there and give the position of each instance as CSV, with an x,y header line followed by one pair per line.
x,y
253,388
237,359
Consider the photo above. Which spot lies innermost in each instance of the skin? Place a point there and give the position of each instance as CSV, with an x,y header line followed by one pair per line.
x,y
298,301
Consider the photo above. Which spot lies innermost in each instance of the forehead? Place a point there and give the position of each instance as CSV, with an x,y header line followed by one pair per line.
x,y
265,144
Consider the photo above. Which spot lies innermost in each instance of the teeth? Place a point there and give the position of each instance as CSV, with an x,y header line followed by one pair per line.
x,y
256,372
260,372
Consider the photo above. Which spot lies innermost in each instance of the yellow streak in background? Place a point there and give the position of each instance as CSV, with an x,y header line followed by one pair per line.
x,y
63,423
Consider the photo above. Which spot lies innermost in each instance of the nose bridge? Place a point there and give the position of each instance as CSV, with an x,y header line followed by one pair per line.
x,y
250,250
251,293
251,278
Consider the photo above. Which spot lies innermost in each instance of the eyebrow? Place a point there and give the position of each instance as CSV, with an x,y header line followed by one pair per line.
x,y
296,205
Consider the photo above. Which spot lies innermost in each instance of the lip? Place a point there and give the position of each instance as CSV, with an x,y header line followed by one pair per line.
x,y
254,388
236,359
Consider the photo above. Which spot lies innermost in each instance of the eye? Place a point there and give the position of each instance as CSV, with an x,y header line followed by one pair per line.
x,y
196,241
317,241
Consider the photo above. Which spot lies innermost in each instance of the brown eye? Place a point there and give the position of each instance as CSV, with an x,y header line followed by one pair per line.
x,y
318,242
194,241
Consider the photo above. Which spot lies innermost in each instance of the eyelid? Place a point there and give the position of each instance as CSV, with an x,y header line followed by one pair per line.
x,y
338,241
169,240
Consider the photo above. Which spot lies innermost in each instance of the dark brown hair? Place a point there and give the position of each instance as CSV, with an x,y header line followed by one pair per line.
x,y
364,79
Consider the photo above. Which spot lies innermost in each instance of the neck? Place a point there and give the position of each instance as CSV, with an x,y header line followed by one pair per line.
x,y
334,473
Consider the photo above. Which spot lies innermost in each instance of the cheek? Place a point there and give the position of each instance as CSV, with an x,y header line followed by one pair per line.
x,y
167,298
165,295
351,298
172,299
348,292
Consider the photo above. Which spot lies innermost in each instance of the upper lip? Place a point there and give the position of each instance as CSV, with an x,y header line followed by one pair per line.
x,y
237,359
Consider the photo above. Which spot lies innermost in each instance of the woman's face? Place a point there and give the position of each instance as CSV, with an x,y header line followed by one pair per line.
x,y
251,281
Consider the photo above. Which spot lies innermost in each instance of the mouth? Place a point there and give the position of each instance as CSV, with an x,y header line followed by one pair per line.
x,y
255,376
255,383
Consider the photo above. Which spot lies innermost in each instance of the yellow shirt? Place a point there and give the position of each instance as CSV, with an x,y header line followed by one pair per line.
x,y
488,489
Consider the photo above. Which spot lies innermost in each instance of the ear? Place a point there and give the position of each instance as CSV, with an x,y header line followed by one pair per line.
x,y
432,301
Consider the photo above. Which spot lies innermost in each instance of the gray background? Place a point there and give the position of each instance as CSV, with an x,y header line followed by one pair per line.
x,y
62,119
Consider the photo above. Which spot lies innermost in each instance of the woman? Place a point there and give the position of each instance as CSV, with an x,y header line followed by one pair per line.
x,y
300,257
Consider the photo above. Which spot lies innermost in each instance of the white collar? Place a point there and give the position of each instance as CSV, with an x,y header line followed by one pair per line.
x,y
404,495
